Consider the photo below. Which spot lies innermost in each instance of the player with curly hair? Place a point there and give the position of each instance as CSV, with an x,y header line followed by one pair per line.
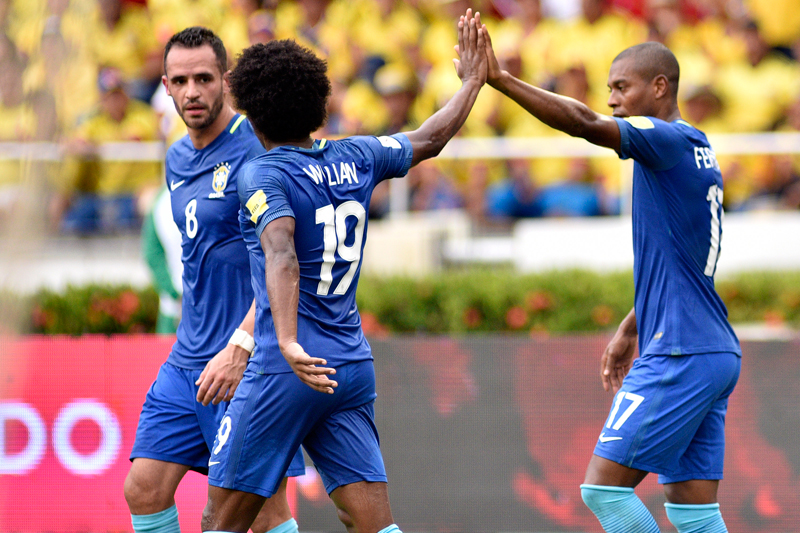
x,y
303,215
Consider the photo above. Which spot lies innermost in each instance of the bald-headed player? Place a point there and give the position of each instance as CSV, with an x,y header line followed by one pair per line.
x,y
668,415
184,407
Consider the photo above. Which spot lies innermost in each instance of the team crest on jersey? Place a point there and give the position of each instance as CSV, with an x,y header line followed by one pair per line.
x,y
220,181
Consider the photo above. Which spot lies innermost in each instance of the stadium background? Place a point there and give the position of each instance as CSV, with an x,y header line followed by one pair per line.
x,y
480,433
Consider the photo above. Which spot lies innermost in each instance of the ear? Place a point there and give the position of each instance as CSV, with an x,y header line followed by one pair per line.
x,y
660,86
166,84
226,81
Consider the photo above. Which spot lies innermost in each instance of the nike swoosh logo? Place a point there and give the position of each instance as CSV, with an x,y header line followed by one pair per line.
x,y
212,463
174,185
603,438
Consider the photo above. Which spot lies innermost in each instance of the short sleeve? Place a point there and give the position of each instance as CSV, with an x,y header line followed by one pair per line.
x,y
654,143
262,195
392,155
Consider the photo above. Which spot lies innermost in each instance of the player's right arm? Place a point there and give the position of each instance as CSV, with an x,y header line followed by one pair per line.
x,y
283,290
559,112
617,358
429,139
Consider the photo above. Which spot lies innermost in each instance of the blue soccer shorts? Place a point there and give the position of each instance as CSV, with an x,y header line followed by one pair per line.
x,y
176,428
271,415
669,416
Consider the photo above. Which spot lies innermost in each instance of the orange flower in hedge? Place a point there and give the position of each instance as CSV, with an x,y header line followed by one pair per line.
x,y
602,315
472,317
124,307
516,317
539,301
773,317
41,318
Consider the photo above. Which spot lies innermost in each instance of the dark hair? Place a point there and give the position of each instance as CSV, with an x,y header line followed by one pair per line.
x,y
652,59
195,37
282,88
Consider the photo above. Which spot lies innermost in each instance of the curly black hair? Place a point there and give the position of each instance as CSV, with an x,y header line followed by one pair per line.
x,y
282,88
195,37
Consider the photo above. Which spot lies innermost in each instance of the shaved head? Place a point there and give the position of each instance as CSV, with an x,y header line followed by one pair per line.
x,y
652,59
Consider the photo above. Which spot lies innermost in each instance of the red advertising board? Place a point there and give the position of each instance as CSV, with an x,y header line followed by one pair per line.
x,y
68,414
479,434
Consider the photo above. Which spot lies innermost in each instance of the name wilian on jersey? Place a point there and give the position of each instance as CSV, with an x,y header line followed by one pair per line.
x,y
345,172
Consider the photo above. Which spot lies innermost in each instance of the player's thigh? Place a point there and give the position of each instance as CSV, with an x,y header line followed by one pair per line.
x,y
260,435
660,407
365,505
345,444
150,485
704,456
173,427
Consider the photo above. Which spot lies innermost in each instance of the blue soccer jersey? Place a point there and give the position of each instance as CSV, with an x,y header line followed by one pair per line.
x,y
677,229
327,190
216,270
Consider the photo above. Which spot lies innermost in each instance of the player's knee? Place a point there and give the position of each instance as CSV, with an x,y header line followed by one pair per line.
x,y
704,517
596,497
346,519
144,497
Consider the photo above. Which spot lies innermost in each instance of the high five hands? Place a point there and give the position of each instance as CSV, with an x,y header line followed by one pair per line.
x,y
472,59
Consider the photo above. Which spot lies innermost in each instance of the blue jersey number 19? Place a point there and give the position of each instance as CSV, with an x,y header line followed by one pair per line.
x,y
335,231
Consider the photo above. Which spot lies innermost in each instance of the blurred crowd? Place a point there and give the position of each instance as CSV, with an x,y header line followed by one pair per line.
x,y
81,73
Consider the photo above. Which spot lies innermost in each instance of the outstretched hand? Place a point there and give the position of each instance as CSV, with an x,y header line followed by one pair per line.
x,y
471,62
493,66
307,370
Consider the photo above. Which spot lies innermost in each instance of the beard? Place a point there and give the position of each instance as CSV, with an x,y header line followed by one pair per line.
x,y
201,123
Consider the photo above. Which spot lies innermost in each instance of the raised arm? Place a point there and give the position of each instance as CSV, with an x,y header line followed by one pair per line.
x,y
559,112
283,290
429,139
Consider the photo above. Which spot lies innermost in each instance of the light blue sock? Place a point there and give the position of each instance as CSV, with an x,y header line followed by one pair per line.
x,y
290,526
390,529
164,522
696,518
618,509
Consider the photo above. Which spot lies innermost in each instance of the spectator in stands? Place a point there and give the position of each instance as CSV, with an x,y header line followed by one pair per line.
x,y
432,189
17,123
104,192
515,196
397,85
124,38
755,91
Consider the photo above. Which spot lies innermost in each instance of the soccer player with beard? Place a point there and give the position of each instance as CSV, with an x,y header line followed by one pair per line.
x,y
184,406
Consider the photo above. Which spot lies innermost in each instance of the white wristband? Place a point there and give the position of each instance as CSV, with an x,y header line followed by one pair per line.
x,y
243,340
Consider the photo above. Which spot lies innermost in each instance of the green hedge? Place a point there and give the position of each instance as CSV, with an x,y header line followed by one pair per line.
x,y
452,302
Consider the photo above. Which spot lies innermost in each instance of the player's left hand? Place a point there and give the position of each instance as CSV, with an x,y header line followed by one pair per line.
x,y
222,375
307,369
617,361
472,60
